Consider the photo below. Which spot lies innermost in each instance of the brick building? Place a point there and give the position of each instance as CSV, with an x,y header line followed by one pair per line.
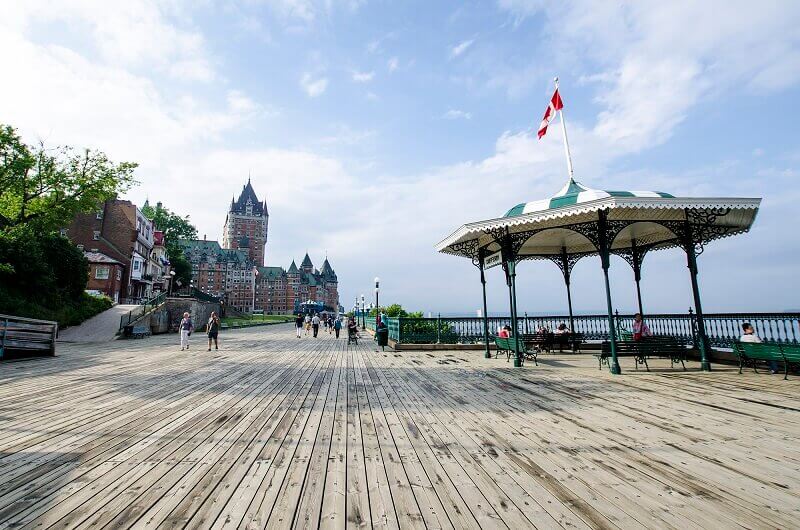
x,y
235,270
105,275
225,273
246,225
120,231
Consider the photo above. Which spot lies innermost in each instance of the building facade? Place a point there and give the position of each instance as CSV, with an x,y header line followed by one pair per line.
x,y
235,270
246,225
105,275
120,231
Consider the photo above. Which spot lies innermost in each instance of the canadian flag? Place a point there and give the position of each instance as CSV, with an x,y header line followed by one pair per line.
x,y
555,105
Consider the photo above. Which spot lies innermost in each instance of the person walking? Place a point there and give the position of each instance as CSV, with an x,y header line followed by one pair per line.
x,y
185,328
298,324
315,325
337,326
308,324
212,329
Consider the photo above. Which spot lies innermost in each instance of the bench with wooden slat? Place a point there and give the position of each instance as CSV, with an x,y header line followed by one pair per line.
x,y
750,353
509,347
18,334
656,346
549,341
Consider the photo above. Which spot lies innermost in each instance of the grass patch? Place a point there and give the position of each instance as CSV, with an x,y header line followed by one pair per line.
x,y
256,319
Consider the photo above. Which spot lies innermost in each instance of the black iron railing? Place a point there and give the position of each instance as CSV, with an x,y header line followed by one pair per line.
x,y
141,310
722,329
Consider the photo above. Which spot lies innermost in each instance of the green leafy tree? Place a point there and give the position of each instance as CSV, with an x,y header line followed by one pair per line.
x,y
173,225
396,310
182,268
42,189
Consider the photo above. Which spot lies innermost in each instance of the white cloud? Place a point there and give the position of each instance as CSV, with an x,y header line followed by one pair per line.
x,y
239,102
460,48
363,77
392,64
139,34
651,70
455,114
313,87
372,96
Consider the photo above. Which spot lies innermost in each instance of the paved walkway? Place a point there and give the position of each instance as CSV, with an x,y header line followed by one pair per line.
x,y
278,432
102,327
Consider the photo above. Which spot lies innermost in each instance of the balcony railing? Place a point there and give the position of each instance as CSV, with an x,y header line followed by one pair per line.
x,y
722,329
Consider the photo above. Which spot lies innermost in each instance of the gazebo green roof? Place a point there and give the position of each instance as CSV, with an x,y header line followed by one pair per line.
x,y
576,193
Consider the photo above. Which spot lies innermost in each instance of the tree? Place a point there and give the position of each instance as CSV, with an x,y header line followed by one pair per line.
x,y
174,227
182,268
42,189
396,310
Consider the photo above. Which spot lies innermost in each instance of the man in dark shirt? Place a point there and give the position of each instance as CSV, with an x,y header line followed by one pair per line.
x,y
212,328
298,324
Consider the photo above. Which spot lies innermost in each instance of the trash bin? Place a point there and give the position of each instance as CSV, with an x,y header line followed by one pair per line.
x,y
382,336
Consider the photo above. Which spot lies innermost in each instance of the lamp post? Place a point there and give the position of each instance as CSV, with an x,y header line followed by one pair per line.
x,y
171,281
377,305
363,317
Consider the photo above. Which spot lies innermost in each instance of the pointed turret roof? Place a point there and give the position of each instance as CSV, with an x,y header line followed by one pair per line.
x,y
307,262
293,268
327,272
249,195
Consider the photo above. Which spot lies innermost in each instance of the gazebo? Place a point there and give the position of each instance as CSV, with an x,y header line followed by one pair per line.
x,y
578,222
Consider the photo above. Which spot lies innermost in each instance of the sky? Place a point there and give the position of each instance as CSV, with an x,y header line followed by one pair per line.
x,y
373,129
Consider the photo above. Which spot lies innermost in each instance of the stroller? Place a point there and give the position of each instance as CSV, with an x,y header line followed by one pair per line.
x,y
352,335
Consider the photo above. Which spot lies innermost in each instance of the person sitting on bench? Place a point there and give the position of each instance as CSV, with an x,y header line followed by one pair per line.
x,y
749,335
640,329
505,332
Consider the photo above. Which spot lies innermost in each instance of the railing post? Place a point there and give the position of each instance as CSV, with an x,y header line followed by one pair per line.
x,y
438,328
3,343
692,327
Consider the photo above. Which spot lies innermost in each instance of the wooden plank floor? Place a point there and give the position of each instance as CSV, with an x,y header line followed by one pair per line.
x,y
278,432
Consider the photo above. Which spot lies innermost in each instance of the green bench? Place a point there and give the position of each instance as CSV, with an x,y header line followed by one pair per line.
x,y
749,353
654,346
509,347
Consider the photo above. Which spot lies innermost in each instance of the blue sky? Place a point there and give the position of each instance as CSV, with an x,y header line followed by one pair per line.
x,y
373,129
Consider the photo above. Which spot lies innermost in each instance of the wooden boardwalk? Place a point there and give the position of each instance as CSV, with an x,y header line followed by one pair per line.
x,y
279,432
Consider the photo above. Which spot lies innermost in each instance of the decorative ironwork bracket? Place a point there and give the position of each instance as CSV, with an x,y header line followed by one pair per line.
x,y
699,228
468,248
566,262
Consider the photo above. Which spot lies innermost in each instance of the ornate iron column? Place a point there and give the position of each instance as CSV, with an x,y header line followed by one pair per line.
x,y
512,272
487,354
702,341
698,228
637,272
567,270
605,254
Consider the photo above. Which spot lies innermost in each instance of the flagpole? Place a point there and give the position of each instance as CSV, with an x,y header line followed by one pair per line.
x,y
564,133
